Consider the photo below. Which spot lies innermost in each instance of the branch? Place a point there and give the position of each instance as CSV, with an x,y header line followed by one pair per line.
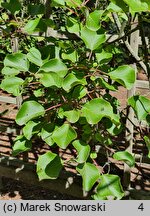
x,y
122,33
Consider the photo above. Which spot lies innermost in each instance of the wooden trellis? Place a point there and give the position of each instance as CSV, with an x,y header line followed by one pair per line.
x,y
9,163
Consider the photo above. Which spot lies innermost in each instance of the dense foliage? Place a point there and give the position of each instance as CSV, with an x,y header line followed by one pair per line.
x,y
66,67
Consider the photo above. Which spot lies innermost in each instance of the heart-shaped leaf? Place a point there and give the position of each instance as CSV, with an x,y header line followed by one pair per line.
x,y
72,80
31,128
17,61
83,150
125,156
46,133
72,115
98,108
34,56
55,65
12,85
64,135
90,174
125,75
31,25
72,25
93,20
49,166
109,187
21,144
10,71
91,39
103,56
141,106
50,79
28,111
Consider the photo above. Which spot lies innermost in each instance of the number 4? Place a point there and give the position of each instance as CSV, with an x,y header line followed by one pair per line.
x,y
141,207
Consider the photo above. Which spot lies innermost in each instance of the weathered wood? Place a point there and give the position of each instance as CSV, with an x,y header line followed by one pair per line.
x,y
7,99
134,43
67,183
143,84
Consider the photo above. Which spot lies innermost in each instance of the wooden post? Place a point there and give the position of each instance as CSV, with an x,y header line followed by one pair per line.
x,y
134,43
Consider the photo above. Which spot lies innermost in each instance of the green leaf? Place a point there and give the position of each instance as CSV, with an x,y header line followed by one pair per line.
x,y
93,20
17,61
55,65
35,9
79,92
90,174
125,156
103,56
31,128
64,135
72,80
147,141
50,79
91,39
21,144
141,106
12,85
72,115
12,6
58,2
28,111
46,133
34,56
49,166
73,25
138,5
109,187
125,75
105,84
83,150
71,55
75,4
9,71
31,25
121,4
96,109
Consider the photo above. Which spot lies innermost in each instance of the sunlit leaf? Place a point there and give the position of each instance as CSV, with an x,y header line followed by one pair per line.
x,y
64,135
17,61
31,25
49,166
125,75
109,187
34,56
91,39
141,105
21,144
90,174
55,65
96,109
28,111
83,150
12,85
125,156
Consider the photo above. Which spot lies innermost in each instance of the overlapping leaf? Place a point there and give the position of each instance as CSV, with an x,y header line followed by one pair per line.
x,y
64,135
21,144
83,150
109,187
90,174
96,109
28,111
49,166
125,156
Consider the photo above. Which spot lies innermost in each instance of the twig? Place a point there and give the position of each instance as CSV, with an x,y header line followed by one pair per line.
x,y
53,107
